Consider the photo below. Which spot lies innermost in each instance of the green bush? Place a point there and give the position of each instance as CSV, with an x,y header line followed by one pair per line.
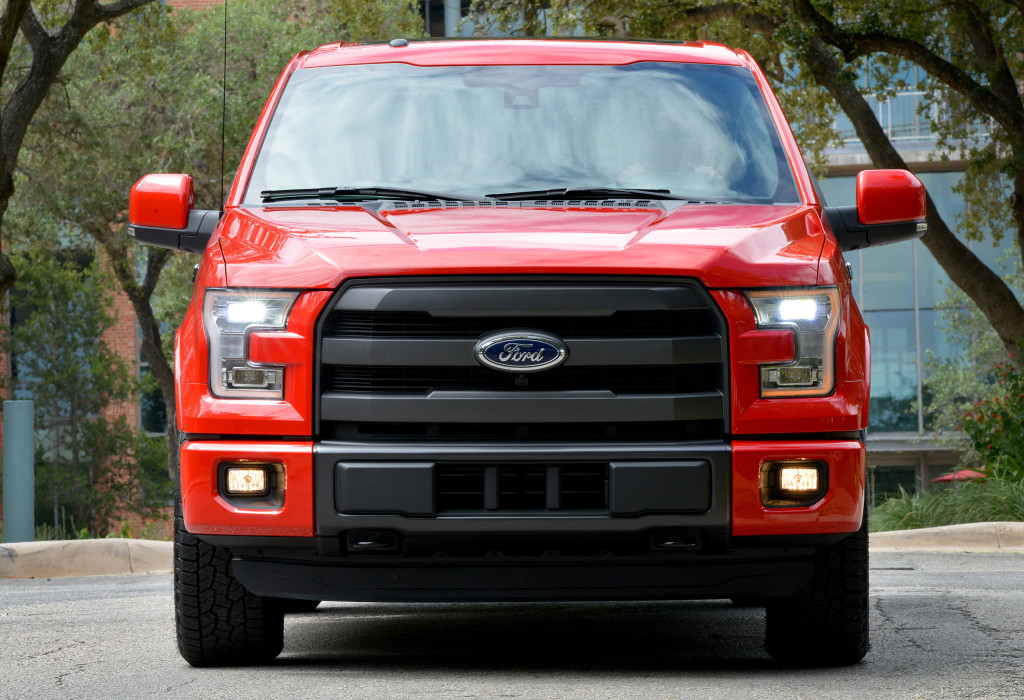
x,y
993,428
996,498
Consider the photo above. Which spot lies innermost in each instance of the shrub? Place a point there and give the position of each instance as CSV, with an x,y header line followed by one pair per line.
x,y
996,498
993,427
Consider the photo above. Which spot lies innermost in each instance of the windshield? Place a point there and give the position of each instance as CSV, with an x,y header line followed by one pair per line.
x,y
697,131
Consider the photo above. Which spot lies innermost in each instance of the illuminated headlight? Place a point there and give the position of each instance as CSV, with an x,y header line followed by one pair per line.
x,y
813,315
797,483
227,316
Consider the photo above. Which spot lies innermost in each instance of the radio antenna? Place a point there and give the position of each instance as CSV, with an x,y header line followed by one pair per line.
x,y
223,104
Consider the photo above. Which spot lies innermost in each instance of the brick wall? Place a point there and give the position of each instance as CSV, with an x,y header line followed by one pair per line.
x,y
121,338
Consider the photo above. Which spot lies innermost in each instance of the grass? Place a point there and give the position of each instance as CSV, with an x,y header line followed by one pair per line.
x,y
984,500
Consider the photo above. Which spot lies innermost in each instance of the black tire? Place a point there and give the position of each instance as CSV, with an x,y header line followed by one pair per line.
x,y
219,622
825,623
295,605
750,602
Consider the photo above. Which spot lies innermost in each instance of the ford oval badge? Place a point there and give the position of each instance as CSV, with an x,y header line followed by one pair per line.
x,y
520,351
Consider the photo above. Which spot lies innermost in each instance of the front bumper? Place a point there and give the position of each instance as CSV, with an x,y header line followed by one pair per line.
x,y
370,522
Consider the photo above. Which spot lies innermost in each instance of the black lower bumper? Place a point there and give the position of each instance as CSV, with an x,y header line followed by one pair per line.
x,y
748,574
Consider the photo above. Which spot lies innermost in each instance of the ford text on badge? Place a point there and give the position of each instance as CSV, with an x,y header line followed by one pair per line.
x,y
521,352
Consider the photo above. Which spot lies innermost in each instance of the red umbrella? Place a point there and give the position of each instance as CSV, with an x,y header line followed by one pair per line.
x,y
960,475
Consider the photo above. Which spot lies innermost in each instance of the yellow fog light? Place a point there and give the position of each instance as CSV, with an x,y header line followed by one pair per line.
x,y
798,479
246,481
793,483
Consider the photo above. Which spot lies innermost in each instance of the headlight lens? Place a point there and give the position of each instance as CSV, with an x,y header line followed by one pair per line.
x,y
813,315
227,316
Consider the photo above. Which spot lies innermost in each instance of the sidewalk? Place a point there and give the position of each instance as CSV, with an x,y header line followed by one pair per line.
x,y
111,557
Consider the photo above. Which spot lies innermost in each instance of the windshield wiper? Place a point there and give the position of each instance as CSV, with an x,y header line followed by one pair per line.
x,y
361,193
585,192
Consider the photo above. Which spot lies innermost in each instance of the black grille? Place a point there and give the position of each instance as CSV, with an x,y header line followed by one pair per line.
x,y
621,324
522,487
397,363
623,380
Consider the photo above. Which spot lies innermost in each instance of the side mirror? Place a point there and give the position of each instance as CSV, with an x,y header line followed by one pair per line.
x,y
891,207
160,213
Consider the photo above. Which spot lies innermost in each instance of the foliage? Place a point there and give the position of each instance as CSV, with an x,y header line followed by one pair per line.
x,y
984,500
993,428
36,39
147,97
86,462
969,373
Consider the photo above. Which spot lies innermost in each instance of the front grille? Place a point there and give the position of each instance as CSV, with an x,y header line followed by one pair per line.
x,y
647,361
521,487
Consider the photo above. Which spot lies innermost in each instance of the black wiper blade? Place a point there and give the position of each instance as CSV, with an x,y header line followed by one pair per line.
x,y
361,193
585,192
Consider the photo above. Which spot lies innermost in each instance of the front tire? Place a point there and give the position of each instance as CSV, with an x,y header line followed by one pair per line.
x,y
219,622
826,622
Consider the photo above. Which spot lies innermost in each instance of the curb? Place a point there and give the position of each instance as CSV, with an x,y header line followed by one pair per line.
x,y
972,537
107,557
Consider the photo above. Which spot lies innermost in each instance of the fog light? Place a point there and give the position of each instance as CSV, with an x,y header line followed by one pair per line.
x,y
248,378
798,479
793,483
246,481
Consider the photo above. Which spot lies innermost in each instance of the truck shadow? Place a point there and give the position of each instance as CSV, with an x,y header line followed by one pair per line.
x,y
603,636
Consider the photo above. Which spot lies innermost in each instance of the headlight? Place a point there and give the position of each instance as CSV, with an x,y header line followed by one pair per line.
x,y
227,316
813,316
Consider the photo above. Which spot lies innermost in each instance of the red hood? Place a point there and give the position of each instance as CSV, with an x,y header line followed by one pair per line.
x,y
723,245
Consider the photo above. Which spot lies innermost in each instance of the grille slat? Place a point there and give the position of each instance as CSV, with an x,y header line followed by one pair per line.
x,y
674,323
674,379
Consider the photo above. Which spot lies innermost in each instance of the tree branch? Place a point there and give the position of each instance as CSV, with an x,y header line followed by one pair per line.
x,y
47,62
740,12
982,38
33,29
854,44
9,23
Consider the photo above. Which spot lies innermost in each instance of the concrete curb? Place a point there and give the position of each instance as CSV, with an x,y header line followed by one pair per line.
x,y
108,557
973,537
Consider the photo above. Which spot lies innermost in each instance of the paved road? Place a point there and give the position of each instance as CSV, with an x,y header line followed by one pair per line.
x,y
944,626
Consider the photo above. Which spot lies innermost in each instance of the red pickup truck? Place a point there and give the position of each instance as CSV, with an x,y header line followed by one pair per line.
x,y
522,320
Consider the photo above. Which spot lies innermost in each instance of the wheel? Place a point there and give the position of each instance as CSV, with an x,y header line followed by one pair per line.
x,y
825,623
296,605
219,622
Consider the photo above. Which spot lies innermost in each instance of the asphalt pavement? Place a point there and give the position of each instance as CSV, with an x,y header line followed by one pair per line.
x,y
944,625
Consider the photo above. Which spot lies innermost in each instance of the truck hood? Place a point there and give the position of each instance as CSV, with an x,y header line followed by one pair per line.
x,y
724,245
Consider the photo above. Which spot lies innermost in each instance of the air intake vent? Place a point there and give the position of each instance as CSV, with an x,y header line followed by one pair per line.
x,y
521,487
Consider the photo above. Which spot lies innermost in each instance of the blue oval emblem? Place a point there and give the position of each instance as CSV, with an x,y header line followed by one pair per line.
x,y
520,351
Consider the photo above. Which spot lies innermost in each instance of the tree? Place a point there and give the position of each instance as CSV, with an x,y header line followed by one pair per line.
x,y
150,100
969,50
62,310
50,49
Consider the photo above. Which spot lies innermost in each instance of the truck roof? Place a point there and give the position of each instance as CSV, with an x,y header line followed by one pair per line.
x,y
523,52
